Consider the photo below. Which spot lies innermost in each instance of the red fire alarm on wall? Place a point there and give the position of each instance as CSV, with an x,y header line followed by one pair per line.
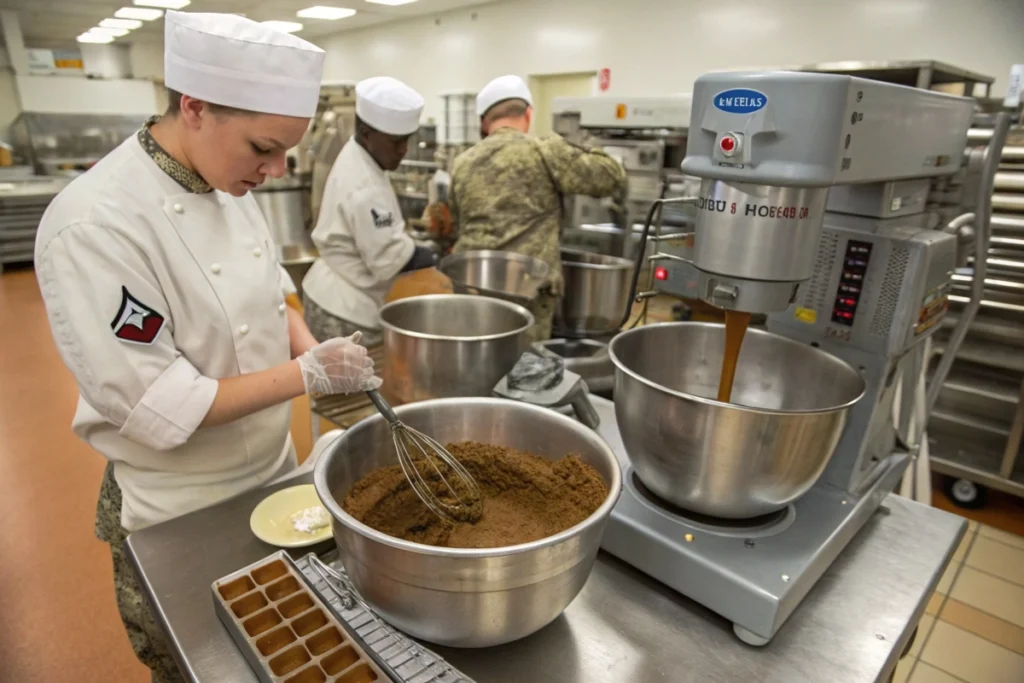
x,y
604,79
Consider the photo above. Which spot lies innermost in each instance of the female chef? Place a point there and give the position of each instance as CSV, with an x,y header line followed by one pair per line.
x,y
360,233
167,303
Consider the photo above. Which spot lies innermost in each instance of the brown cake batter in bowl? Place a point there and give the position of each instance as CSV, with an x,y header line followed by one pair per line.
x,y
525,498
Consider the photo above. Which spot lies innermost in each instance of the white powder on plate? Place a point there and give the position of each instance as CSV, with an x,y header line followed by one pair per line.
x,y
311,520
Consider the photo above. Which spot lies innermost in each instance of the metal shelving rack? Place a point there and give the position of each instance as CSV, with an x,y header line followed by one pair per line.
x,y
978,423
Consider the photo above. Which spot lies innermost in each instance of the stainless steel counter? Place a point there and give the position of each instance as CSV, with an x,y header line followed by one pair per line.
x,y
852,627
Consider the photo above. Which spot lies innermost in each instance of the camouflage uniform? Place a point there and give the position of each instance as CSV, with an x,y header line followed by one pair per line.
x,y
325,325
145,635
506,193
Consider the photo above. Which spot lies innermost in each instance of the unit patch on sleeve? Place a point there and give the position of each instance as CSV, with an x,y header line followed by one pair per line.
x,y
382,219
136,322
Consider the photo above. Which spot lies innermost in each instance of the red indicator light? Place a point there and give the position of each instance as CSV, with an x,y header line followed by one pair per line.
x,y
728,143
660,273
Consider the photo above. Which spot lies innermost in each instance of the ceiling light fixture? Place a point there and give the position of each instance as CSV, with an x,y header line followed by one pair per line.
x,y
129,24
143,13
165,4
326,13
90,37
392,3
283,26
112,32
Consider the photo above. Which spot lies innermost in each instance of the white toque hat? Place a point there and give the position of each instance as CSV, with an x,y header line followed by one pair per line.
x,y
236,62
388,105
501,89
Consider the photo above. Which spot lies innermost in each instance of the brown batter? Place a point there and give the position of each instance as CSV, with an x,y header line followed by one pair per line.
x,y
525,498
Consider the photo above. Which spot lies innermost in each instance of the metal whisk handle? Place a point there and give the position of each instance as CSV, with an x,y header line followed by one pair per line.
x,y
383,406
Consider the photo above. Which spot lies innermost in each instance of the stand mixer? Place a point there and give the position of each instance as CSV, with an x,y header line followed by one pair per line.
x,y
809,212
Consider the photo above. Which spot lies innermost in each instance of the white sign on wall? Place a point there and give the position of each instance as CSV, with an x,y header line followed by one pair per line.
x,y
42,62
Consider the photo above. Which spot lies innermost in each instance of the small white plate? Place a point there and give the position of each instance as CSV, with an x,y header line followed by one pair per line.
x,y
271,520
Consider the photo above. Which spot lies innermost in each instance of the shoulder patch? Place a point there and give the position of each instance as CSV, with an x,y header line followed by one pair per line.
x,y
135,322
382,219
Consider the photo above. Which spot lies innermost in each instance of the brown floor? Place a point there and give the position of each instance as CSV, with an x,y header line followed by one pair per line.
x,y
57,616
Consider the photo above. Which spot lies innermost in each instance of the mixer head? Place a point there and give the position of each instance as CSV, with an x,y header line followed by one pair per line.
x,y
768,146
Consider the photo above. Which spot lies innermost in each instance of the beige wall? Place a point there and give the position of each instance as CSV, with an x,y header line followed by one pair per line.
x,y
656,47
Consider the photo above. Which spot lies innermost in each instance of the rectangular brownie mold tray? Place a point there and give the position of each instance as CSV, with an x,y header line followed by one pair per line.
x,y
287,633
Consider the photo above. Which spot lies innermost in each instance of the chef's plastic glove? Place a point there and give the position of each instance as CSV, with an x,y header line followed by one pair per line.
x,y
338,366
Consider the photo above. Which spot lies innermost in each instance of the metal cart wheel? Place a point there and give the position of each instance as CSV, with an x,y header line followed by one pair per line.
x,y
965,493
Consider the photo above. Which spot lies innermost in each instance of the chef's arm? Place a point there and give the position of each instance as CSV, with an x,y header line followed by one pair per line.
x,y
422,257
578,170
300,339
385,250
238,397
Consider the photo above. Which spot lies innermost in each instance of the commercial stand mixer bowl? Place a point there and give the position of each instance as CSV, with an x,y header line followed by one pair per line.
x,y
743,459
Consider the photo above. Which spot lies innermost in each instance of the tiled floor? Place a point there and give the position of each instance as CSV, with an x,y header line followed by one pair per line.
x,y
973,629
57,617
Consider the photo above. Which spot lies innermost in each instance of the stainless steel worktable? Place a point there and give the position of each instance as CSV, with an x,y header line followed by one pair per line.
x,y
852,627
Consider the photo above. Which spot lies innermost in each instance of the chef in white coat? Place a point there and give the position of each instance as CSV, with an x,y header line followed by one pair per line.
x,y
166,300
360,233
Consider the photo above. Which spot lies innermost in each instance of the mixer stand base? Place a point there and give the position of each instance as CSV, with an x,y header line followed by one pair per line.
x,y
754,575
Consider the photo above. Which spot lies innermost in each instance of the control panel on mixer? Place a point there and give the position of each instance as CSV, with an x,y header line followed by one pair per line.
x,y
851,282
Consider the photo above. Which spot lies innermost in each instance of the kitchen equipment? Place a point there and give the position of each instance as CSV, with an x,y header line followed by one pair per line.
x,y
285,205
457,596
742,459
23,200
542,380
297,259
415,452
595,292
588,358
849,278
56,144
410,660
444,345
648,136
286,632
500,274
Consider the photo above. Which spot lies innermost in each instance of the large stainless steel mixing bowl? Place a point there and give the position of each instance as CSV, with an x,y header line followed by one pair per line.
x,y
446,345
456,596
501,274
596,292
734,460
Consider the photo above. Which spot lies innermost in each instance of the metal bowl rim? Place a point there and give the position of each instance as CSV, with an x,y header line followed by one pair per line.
x,y
530,321
620,367
618,262
347,520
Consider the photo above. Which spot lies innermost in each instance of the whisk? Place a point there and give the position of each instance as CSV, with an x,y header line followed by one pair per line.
x,y
446,488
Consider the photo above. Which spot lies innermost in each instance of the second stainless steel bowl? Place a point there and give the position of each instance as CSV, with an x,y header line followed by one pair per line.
x,y
732,460
502,274
596,292
448,345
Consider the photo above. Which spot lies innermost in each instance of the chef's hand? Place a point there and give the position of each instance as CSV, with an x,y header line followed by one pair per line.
x,y
338,366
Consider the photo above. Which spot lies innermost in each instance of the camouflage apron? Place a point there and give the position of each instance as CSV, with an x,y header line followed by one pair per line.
x,y
146,636
326,326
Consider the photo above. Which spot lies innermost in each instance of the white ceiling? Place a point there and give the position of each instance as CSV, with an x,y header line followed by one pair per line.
x,y
55,23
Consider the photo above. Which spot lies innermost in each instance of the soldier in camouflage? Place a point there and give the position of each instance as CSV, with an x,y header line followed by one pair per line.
x,y
506,191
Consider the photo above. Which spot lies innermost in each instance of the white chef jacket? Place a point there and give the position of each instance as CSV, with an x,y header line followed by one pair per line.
x,y
153,293
361,237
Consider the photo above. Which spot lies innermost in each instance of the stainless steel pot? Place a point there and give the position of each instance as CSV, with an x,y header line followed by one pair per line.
x,y
734,460
596,292
446,345
501,274
286,208
455,596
